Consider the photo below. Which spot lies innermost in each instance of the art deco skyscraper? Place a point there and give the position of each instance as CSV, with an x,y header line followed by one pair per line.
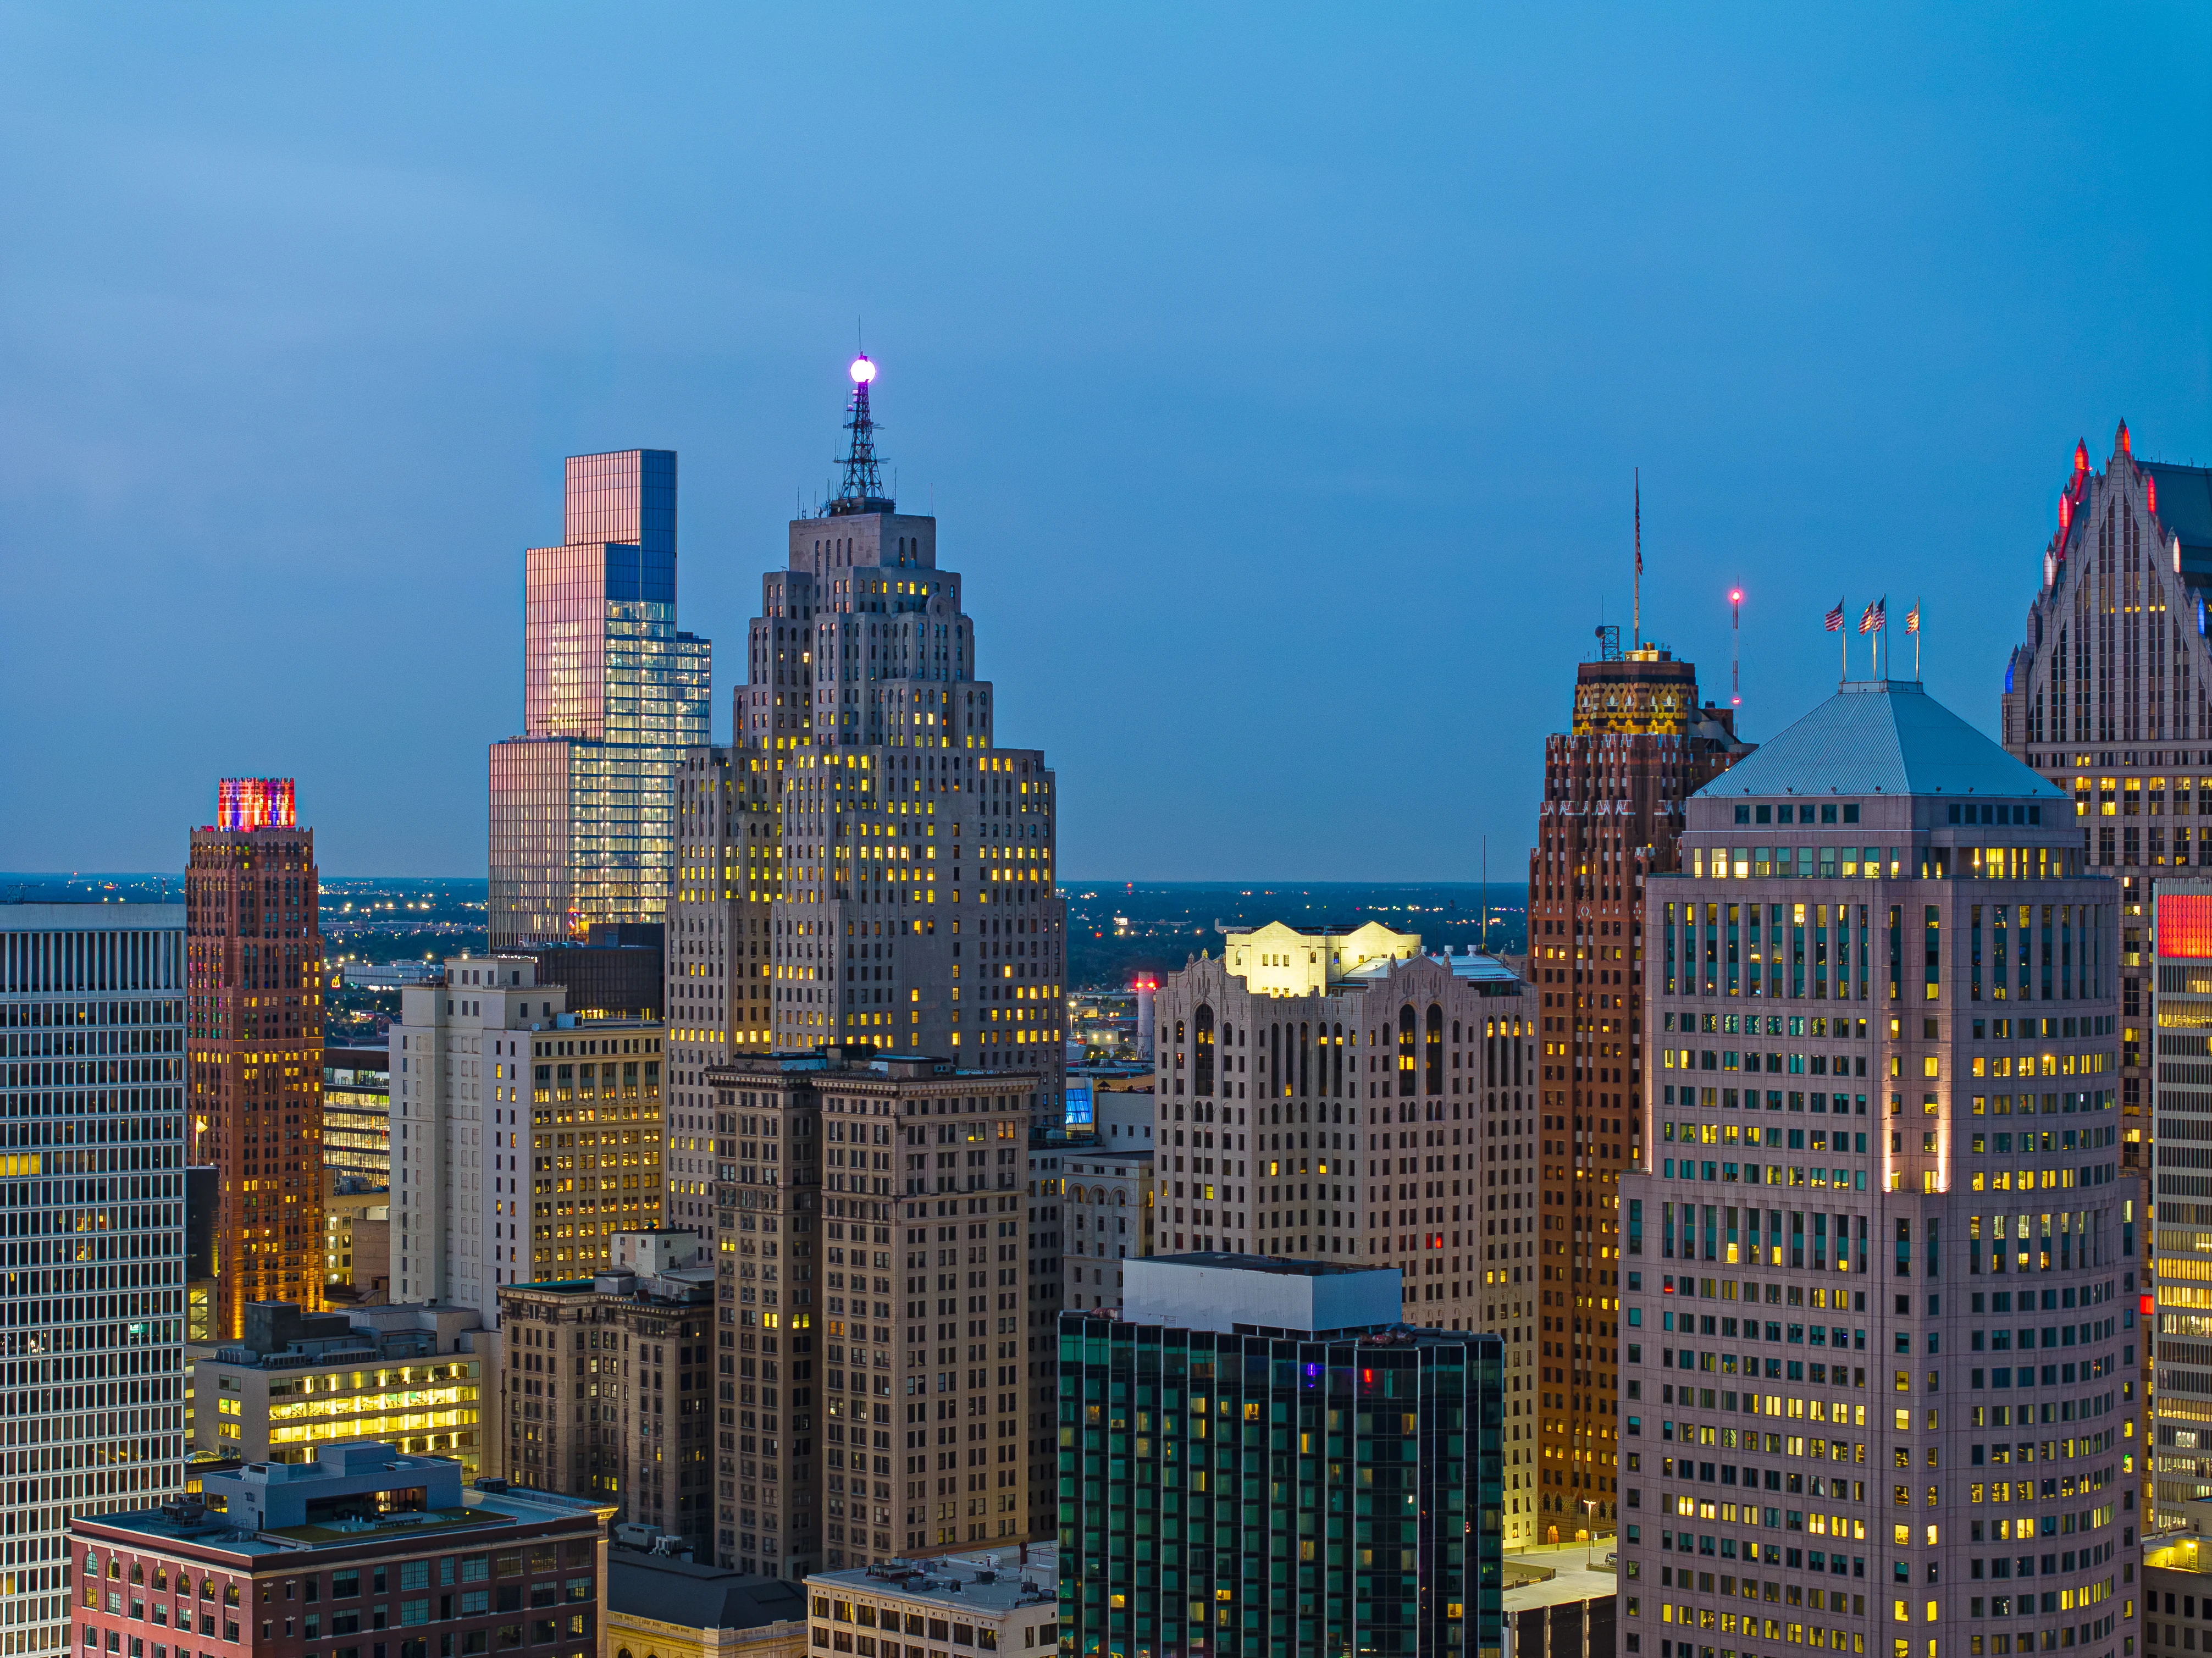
x,y
582,804
254,1046
1881,1260
863,866
1615,784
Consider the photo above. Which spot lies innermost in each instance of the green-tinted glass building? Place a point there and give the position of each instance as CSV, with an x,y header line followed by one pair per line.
x,y
1320,1482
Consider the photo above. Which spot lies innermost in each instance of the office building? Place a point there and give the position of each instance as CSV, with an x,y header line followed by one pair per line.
x,y
1884,1117
615,971
2105,697
865,864
279,1559
659,1606
2180,1015
254,1044
1638,745
969,1608
414,1376
356,1247
1375,1526
2177,1593
491,1072
358,1116
891,1181
1263,1051
92,1089
631,1427
582,802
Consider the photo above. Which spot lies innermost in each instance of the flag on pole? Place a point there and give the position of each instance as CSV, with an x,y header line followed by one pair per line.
x,y
1836,618
1912,618
1876,615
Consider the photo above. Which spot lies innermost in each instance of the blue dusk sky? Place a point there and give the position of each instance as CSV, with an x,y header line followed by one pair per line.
x,y
1276,373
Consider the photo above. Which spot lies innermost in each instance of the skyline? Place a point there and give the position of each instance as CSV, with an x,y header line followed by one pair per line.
x,y
1822,286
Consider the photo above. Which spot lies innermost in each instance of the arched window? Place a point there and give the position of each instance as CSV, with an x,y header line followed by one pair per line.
x,y
1305,1061
1336,1042
1408,1034
1434,1082
1202,1022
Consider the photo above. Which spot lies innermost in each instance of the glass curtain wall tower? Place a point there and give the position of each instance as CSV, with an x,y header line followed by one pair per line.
x,y
582,814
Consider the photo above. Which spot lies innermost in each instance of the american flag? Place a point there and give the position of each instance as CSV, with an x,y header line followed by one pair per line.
x,y
1836,618
1912,618
1876,616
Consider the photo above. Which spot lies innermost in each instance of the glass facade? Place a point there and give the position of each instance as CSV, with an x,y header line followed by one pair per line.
x,y
1242,1496
582,818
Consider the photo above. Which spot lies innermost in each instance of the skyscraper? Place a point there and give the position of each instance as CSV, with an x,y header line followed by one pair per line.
x,y
2180,1015
1380,1104
254,1046
1881,1267
1258,1461
92,1089
1615,784
581,803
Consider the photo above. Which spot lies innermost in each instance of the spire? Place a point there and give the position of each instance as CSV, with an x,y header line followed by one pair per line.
x,y
1638,634
863,490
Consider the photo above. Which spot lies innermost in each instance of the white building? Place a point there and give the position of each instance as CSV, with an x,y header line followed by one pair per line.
x,y
962,1608
92,1150
524,1138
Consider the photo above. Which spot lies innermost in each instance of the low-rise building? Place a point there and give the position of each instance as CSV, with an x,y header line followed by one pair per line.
x,y
274,1559
961,1608
659,1606
608,1391
356,1243
414,1376
2177,1591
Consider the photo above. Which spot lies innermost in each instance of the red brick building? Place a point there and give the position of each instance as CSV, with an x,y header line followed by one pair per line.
x,y
364,1553
253,1043
1615,783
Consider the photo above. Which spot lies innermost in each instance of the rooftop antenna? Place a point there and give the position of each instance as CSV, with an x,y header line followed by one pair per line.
x,y
863,490
1735,647
1637,621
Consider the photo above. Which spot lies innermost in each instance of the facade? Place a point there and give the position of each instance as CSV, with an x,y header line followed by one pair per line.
x,y
475,1568
254,1046
865,864
659,1606
413,1376
2176,1595
1637,747
1300,1487
2181,1023
582,802
608,1383
614,972
872,1243
358,1116
356,1247
1933,1015
962,1607
1360,1028
476,1058
91,1084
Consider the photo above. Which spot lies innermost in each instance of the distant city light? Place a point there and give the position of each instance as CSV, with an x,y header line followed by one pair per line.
x,y
862,371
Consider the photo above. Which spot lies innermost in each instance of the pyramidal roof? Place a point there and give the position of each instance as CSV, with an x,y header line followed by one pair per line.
x,y
1880,736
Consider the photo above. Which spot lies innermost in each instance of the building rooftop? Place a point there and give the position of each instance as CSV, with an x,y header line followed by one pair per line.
x,y
1881,737
983,1591
2184,508
673,1591
1274,1266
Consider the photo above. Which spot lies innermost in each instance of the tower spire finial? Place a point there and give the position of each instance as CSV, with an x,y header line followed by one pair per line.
x,y
863,489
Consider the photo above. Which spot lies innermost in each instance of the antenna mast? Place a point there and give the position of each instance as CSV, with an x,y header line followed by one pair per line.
x,y
1735,647
1637,619
863,490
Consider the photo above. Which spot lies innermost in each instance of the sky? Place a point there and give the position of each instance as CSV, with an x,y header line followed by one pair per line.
x,y
1277,375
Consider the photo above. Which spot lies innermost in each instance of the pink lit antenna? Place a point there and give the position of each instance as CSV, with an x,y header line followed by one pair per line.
x,y
1735,647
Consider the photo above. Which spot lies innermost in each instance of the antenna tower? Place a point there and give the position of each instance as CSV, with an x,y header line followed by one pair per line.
x,y
1735,647
1636,618
863,490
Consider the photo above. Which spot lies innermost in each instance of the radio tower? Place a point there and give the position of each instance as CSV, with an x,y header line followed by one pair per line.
x,y
863,491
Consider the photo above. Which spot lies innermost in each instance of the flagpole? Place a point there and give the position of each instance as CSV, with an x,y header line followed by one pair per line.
x,y
1916,638
1844,644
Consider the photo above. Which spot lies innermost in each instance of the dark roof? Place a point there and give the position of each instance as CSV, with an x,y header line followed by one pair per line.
x,y
698,1597
2184,508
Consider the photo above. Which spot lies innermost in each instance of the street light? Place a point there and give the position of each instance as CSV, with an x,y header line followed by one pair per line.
x,y
1590,1561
